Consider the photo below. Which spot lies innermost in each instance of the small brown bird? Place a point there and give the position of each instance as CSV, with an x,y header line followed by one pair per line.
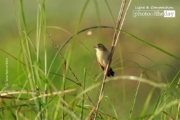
x,y
103,56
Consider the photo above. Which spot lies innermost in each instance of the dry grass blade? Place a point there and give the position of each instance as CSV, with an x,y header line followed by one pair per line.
x,y
53,93
168,115
7,93
114,41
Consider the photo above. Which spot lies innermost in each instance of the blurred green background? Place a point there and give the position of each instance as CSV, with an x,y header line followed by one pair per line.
x,y
161,32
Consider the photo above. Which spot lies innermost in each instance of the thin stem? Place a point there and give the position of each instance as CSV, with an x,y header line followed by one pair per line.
x,y
114,41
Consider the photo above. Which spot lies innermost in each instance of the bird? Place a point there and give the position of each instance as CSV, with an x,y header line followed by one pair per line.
x,y
102,55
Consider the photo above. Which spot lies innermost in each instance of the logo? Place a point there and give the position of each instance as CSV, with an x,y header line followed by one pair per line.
x,y
154,11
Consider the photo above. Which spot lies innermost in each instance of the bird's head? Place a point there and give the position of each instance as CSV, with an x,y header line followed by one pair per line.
x,y
100,47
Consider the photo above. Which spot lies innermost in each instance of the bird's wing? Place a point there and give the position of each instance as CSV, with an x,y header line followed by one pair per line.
x,y
102,67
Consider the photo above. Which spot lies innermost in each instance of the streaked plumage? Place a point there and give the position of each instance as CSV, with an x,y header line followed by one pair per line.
x,y
102,56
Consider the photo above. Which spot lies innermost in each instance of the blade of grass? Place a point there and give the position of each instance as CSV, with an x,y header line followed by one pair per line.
x,y
83,97
135,97
145,42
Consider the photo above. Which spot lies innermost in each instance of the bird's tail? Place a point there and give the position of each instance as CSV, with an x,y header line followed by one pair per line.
x,y
110,72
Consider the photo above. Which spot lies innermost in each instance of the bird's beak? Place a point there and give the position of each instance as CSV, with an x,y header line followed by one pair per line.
x,y
95,46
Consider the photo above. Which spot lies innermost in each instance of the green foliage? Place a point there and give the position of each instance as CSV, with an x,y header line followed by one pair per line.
x,y
58,79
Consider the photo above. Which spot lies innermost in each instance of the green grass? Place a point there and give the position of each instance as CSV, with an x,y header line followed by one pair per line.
x,y
58,82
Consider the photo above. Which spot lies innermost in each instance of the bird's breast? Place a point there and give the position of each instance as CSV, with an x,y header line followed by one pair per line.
x,y
102,57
